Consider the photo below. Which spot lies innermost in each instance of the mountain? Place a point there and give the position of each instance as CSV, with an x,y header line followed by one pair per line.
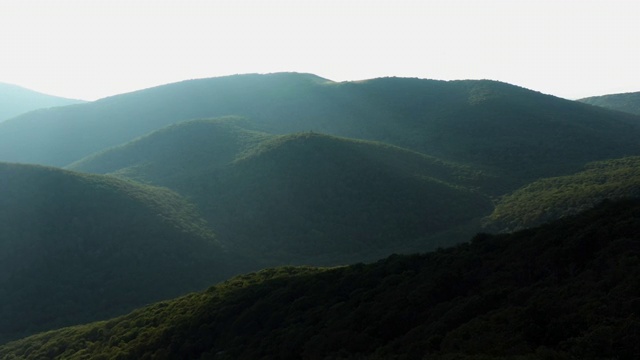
x,y
77,248
627,102
304,197
552,198
67,135
520,134
16,100
177,151
566,290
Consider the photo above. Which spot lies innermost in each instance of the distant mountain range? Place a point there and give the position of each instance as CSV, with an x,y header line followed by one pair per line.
x,y
627,102
16,100
518,133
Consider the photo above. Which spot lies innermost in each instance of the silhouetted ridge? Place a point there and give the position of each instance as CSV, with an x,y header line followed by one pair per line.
x,y
16,100
627,102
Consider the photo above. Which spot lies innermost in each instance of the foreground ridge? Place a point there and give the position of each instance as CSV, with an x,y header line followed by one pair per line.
x,y
561,291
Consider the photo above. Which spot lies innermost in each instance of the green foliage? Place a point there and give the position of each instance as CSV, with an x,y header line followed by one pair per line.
x,y
303,198
627,102
312,198
178,151
76,248
552,198
566,290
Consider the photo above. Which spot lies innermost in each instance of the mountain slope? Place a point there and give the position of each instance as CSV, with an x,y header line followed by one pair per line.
x,y
567,290
520,133
321,198
551,198
75,248
67,135
16,100
627,102
303,197
176,151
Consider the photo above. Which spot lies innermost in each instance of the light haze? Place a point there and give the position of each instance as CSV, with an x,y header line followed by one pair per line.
x,y
89,49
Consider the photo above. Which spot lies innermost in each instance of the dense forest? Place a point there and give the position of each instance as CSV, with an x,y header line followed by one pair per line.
x,y
304,197
77,248
112,205
552,198
627,102
567,290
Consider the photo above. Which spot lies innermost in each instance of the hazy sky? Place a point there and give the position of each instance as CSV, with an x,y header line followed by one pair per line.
x,y
94,48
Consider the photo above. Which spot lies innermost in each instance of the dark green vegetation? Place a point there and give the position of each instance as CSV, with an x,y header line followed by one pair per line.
x,y
517,133
178,152
627,102
567,290
15,100
77,248
295,169
551,198
306,197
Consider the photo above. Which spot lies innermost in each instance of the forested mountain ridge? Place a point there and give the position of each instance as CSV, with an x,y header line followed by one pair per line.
x,y
522,133
304,197
77,248
565,290
177,151
327,199
16,100
627,102
551,198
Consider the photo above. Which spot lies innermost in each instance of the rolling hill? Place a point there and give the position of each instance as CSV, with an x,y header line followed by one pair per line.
x,y
76,248
552,198
315,198
16,100
181,150
567,290
627,102
303,197
521,134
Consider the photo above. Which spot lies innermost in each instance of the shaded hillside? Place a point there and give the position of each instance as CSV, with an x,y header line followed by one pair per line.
x,y
185,149
627,102
551,198
303,197
568,290
77,248
315,198
16,100
523,134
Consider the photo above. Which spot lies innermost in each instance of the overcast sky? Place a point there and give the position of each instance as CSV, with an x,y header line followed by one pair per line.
x,y
90,49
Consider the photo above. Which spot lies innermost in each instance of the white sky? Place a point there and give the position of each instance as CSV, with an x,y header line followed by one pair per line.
x,y
95,48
